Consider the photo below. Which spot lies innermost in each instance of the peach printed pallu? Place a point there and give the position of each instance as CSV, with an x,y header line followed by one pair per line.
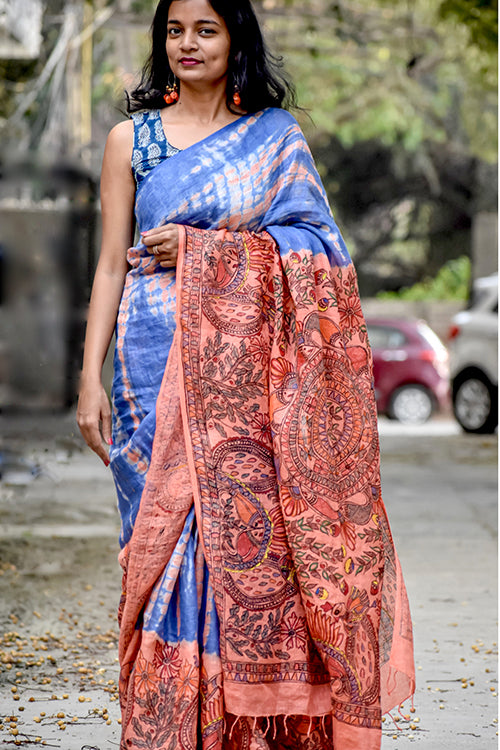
x,y
263,603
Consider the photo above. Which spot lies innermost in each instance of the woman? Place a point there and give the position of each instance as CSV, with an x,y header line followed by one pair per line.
x,y
263,604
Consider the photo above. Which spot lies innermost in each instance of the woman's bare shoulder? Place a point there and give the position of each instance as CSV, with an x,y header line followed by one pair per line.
x,y
121,134
120,142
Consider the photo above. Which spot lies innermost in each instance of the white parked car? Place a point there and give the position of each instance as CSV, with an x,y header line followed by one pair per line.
x,y
473,344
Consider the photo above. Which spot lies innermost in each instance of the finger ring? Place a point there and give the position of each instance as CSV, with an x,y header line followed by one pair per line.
x,y
156,250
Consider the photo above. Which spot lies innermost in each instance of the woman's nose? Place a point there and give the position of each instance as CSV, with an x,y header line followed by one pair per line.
x,y
189,41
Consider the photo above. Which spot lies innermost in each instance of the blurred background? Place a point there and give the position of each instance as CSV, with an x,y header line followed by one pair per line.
x,y
400,101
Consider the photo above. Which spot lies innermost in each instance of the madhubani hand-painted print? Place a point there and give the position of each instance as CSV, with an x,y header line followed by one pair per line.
x,y
263,603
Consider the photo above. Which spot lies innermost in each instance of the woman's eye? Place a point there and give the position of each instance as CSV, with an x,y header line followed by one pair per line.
x,y
207,32
174,32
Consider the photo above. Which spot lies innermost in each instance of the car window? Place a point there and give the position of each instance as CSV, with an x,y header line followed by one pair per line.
x,y
478,298
385,337
484,296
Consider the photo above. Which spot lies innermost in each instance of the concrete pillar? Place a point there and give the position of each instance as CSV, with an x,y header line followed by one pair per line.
x,y
484,244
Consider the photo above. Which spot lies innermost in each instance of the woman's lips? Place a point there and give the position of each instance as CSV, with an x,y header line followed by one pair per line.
x,y
189,61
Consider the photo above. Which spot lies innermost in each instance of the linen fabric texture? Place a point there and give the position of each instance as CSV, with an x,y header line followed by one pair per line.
x,y
263,602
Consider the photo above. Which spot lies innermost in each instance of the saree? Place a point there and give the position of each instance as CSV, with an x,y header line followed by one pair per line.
x,y
263,602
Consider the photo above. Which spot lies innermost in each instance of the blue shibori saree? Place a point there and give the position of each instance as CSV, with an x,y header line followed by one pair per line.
x,y
263,603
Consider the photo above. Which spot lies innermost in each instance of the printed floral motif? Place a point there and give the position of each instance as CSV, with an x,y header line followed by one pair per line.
x,y
292,501
351,315
327,630
294,632
145,675
281,370
261,426
349,308
347,530
188,679
167,661
258,349
150,144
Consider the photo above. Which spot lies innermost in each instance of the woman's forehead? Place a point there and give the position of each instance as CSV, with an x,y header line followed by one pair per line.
x,y
192,9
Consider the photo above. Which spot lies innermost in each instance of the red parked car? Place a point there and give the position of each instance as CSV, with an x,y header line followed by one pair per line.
x,y
410,369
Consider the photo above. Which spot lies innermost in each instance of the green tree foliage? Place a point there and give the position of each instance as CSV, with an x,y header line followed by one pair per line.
x,y
143,7
394,71
451,283
14,74
479,16
402,98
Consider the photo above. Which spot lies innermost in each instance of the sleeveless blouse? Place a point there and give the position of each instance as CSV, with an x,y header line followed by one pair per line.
x,y
150,143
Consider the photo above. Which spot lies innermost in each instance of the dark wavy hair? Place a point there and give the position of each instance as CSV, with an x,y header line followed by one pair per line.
x,y
256,73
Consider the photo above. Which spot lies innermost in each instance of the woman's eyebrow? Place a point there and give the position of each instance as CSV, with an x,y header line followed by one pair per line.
x,y
198,23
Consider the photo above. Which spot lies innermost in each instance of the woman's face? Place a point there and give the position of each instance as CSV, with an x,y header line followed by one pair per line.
x,y
198,42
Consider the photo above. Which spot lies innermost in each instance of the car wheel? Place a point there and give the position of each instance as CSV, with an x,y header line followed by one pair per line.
x,y
411,404
475,402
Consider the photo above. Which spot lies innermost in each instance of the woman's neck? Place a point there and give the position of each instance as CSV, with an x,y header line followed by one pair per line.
x,y
201,105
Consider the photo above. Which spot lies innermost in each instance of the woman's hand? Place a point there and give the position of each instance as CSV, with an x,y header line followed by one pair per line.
x,y
94,419
163,243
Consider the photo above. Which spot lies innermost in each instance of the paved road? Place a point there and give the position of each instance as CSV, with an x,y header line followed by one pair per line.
x,y
440,488
59,584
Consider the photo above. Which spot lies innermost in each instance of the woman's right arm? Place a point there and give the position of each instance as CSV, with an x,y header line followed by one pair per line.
x,y
117,205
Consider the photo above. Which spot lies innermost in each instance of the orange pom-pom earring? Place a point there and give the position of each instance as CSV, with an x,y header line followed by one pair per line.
x,y
236,97
172,93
